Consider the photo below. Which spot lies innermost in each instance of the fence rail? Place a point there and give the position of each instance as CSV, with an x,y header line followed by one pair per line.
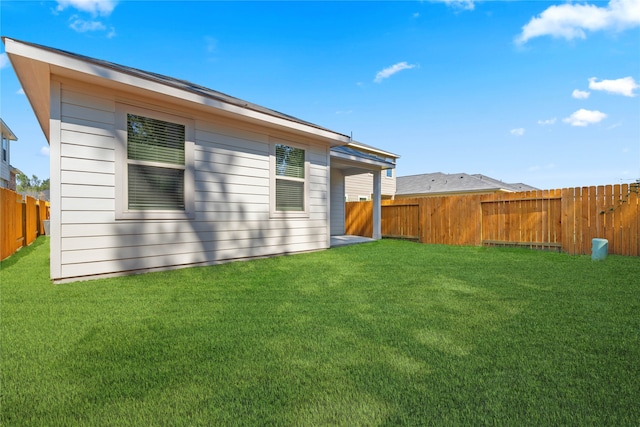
x,y
565,219
21,221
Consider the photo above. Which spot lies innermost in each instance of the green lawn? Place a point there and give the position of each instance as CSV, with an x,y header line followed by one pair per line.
x,y
386,333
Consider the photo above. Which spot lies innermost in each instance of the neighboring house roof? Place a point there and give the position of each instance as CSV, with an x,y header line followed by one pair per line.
x,y
7,132
441,183
39,61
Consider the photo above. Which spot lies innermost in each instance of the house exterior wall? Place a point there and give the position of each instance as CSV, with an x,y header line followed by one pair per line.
x,y
5,159
360,187
232,219
337,202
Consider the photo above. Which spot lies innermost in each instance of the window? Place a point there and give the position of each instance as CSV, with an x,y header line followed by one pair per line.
x,y
155,173
155,162
289,180
5,149
389,173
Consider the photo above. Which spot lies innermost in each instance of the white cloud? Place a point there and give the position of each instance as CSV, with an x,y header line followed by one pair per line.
x,y
624,86
584,117
547,122
95,7
571,20
44,151
615,125
580,94
20,91
82,26
517,132
459,4
211,44
4,60
389,71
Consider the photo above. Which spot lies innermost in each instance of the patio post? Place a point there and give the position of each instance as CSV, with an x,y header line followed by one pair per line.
x,y
377,205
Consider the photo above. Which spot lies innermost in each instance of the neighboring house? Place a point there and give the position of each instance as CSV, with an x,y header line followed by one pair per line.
x,y
13,178
150,172
440,184
7,172
360,187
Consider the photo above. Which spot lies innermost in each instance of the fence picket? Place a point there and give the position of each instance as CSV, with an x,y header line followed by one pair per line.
x,y
566,219
20,221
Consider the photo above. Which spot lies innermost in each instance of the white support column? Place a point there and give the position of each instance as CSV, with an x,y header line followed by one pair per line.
x,y
377,205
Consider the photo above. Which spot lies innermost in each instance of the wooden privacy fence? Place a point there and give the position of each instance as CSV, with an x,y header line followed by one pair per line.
x,y
566,219
21,221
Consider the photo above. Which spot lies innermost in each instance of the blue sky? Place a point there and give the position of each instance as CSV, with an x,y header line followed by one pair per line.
x,y
545,93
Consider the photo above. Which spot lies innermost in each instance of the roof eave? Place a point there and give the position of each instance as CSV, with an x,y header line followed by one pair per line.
x,y
34,80
374,150
7,132
34,65
373,164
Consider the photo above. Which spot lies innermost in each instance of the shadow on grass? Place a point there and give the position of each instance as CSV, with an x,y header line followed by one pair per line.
x,y
388,333
24,252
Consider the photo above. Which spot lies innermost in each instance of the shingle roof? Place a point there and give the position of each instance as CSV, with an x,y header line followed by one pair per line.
x,y
180,84
434,183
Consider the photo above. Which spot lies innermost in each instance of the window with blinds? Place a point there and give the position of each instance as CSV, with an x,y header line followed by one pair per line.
x,y
290,178
155,164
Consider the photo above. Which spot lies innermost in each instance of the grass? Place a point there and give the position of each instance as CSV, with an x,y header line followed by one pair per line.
x,y
382,334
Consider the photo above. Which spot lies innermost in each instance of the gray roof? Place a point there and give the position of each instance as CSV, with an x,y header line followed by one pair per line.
x,y
6,132
436,183
180,84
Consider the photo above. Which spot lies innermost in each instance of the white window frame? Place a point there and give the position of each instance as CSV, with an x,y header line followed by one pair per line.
x,y
386,173
122,161
5,149
272,180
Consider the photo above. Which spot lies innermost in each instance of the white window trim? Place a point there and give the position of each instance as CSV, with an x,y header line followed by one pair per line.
x,y
121,169
273,213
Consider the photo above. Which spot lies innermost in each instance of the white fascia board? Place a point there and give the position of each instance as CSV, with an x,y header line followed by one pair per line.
x,y
370,163
34,78
373,150
7,132
62,62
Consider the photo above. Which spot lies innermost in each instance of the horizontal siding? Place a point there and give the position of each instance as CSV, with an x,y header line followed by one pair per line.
x,y
362,185
167,227
168,250
232,218
185,259
84,205
87,178
83,165
358,186
211,234
87,192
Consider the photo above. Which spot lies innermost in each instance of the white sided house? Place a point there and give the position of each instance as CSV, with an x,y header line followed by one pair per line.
x,y
152,173
6,170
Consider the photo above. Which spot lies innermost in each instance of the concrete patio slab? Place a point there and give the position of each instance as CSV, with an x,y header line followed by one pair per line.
x,y
337,241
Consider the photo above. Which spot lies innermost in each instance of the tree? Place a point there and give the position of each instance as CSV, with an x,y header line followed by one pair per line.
x,y
31,186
